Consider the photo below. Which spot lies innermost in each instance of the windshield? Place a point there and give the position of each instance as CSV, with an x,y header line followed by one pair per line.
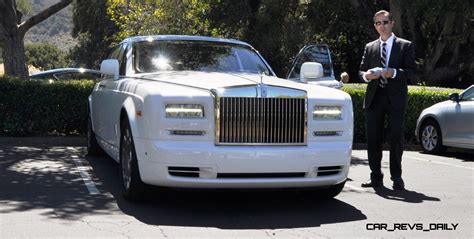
x,y
156,56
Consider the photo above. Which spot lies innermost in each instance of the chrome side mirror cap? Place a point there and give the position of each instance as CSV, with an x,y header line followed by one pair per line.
x,y
110,67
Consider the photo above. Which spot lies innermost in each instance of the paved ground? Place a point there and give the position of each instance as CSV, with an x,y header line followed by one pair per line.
x,y
50,189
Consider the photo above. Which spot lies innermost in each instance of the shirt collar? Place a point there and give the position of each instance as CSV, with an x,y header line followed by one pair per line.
x,y
389,40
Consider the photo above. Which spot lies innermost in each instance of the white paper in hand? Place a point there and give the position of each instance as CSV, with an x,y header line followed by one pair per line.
x,y
376,70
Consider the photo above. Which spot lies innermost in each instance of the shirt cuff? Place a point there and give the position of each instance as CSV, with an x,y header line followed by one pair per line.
x,y
363,77
394,73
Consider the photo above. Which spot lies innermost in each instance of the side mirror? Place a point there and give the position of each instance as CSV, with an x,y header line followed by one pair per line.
x,y
110,67
311,70
454,97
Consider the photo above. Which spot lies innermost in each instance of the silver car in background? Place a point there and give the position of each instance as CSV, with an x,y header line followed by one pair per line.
x,y
448,123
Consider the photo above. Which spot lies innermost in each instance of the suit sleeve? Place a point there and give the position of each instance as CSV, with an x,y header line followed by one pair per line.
x,y
364,64
407,71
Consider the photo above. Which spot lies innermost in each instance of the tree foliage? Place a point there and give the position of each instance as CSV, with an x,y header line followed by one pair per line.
x,y
443,41
46,56
94,29
150,17
279,28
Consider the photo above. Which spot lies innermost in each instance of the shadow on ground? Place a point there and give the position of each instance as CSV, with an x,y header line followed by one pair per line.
x,y
226,209
404,195
46,178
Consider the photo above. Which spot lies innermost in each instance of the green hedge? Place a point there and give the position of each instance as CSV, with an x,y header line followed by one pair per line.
x,y
419,98
37,109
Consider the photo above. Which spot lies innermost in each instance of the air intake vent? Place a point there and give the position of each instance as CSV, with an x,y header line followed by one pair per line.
x,y
266,121
260,175
191,172
330,170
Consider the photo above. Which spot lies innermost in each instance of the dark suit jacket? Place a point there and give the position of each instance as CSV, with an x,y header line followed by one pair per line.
x,y
402,58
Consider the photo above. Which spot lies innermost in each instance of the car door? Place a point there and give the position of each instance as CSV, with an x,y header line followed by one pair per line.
x,y
319,53
99,109
113,100
459,118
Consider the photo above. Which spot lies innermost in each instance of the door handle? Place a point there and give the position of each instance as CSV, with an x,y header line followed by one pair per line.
x,y
101,85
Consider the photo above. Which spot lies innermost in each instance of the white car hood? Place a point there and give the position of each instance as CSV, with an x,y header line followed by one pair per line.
x,y
216,80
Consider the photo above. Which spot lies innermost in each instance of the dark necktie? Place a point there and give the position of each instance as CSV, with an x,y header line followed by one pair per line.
x,y
383,60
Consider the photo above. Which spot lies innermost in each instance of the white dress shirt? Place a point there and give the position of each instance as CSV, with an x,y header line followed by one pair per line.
x,y
388,48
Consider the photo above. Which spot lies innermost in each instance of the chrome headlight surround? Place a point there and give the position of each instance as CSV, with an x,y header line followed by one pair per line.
x,y
324,112
184,111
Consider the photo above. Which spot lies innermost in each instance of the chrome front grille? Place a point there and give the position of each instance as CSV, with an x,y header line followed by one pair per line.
x,y
264,121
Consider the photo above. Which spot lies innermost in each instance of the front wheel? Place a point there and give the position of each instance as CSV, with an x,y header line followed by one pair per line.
x,y
431,138
133,189
93,147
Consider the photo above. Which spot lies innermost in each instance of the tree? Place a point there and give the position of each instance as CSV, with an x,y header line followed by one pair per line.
x,y
443,41
46,56
279,28
95,31
13,30
150,17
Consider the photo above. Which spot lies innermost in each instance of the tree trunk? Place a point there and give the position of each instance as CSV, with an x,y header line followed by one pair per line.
x,y
14,55
396,12
12,34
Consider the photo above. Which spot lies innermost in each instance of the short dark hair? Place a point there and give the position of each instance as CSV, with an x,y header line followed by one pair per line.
x,y
383,12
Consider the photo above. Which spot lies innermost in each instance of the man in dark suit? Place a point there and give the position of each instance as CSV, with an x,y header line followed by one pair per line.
x,y
387,65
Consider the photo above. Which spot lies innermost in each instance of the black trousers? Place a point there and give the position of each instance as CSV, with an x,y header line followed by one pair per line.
x,y
381,109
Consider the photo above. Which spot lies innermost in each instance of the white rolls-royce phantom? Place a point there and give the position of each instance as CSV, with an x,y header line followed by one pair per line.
x,y
202,112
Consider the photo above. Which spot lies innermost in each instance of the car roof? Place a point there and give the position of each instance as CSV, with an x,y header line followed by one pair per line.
x,y
183,38
66,70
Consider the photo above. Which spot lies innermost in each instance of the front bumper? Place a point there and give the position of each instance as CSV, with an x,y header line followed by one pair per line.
x,y
155,158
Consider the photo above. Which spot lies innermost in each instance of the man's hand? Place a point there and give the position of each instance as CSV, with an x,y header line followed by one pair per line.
x,y
387,73
370,75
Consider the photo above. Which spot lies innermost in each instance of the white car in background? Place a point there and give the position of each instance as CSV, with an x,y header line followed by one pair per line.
x,y
201,112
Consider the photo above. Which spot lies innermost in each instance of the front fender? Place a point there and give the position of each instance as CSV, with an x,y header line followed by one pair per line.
x,y
131,110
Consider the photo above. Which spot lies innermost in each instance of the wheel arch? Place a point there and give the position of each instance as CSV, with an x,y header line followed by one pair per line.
x,y
128,112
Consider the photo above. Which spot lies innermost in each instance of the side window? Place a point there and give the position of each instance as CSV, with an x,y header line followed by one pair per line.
x,y
64,76
115,52
122,58
119,53
468,95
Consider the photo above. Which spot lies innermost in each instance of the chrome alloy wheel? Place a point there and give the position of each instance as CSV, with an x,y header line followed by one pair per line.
x,y
126,157
429,137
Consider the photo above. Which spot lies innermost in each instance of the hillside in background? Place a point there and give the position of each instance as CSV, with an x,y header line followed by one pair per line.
x,y
55,30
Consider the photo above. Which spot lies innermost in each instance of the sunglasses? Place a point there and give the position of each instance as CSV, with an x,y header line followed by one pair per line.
x,y
380,23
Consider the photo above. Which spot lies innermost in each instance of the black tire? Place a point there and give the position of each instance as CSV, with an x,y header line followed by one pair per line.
x,y
431,139
93,147
133,189
328,193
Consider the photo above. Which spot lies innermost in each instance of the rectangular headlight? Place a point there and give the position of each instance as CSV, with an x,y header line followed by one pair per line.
x,y
184,111
327,112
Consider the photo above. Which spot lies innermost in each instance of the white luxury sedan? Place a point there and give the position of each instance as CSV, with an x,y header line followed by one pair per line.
x,y
202,112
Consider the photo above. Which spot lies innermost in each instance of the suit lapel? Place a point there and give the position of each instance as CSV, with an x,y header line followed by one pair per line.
x,y
377,53
394,53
